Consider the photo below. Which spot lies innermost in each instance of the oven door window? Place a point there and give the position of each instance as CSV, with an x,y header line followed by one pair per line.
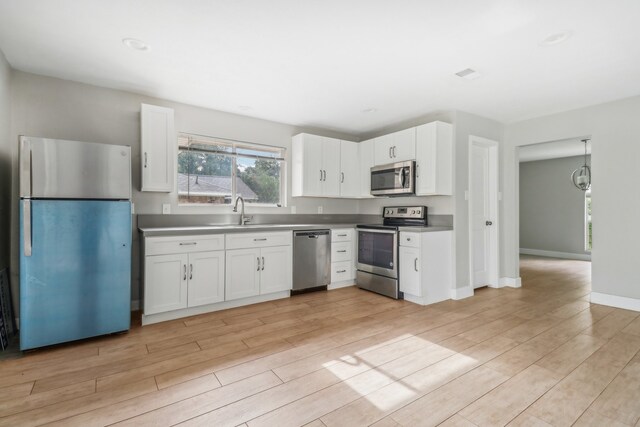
x,y
376,249
388,179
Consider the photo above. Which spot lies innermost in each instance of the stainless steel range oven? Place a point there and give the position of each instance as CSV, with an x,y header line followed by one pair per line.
x,y
377,261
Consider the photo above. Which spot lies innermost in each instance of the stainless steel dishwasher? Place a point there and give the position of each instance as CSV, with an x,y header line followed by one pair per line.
x,y
311,260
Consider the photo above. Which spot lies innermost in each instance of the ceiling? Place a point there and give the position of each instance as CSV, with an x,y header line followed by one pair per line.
x,y
553,150
324,63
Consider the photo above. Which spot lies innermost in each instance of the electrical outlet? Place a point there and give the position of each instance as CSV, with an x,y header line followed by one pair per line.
x,y
166,208
293,209
320,209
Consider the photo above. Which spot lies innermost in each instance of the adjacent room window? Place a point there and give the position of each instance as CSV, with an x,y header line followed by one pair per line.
x,y
216,170
587,221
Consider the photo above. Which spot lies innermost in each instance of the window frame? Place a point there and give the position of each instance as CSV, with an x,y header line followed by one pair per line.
x,y
234,145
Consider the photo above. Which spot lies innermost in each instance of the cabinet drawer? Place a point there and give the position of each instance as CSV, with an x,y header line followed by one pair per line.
x,y
410,239
258,240
183,244
341,271
341,251
342,235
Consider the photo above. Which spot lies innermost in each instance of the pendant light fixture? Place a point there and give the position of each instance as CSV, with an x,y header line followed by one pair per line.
x,y
581,177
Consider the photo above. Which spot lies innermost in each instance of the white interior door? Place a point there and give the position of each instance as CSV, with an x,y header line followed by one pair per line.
x,y
483,197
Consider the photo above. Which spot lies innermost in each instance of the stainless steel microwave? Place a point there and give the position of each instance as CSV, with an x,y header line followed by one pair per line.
x,y
395,179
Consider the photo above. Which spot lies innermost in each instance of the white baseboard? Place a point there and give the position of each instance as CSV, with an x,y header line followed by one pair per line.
x,y
615,301
461,293
177,314
555,254
512,282
338,285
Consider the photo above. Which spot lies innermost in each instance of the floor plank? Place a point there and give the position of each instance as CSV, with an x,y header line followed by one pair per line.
x,y
539,355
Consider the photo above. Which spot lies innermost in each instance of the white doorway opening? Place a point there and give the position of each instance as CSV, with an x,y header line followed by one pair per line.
x,y
483,212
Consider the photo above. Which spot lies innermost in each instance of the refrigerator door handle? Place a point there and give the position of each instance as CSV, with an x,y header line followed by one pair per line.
x,y
26,223
25,167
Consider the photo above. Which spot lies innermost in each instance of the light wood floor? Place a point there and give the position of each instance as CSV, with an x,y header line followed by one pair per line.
x,y
538,355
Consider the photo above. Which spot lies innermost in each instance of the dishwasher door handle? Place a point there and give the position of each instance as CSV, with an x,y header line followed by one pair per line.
x,y
312,236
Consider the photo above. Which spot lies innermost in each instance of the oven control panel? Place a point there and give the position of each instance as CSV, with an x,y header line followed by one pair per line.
x,y
417,212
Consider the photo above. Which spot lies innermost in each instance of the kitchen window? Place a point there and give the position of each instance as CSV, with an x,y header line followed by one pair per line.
x,y
214,171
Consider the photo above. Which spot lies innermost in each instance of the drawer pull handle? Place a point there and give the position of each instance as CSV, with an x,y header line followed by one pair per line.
x,y
341,271
188,243
342,251
342,235
260,240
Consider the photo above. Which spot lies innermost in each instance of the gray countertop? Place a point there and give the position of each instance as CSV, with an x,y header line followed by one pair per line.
x,y
425,229
234,228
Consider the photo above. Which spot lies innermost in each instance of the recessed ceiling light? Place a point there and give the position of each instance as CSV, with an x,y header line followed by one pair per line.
x,y
369,110
556,38
135,44
468,74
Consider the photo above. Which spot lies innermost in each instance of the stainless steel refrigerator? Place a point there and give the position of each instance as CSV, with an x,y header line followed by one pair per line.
x,y
75,240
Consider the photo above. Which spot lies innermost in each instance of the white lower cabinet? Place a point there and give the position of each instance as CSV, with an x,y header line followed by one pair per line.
x,y
276,271
426,266
343,267
168,276
206,278
183,280
243,273
410,271
258,269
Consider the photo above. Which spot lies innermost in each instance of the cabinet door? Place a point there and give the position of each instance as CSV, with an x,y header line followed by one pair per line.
x,y
410,271
206,278
158,148
165,283
365,151
349,169
331,167
242,273
313,174
434,159
383,150
404,145
276,271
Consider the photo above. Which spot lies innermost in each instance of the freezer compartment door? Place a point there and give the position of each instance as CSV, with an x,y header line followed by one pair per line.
x,y
77,281
57,169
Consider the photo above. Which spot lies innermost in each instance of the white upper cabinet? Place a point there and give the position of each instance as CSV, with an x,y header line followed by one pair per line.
x,y
396,147
366,156
316,166
157,148
331,167
349,169
434,159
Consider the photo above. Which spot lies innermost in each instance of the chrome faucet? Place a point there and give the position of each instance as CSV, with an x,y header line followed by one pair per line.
x,y
243,219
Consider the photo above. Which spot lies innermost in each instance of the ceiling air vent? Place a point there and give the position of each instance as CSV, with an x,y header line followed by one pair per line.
x,y
468,74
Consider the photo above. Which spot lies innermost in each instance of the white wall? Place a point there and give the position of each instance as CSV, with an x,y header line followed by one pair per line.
x,y
552,209
5,161
615,132
54,108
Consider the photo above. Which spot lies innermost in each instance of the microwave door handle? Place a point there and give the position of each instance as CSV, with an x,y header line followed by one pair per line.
x,y
403,177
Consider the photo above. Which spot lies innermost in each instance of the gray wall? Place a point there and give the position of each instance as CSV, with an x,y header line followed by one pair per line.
x,y
44,106
551,208
614,129
5,162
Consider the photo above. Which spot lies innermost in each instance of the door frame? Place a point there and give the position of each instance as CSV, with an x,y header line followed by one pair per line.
x,y
494,175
